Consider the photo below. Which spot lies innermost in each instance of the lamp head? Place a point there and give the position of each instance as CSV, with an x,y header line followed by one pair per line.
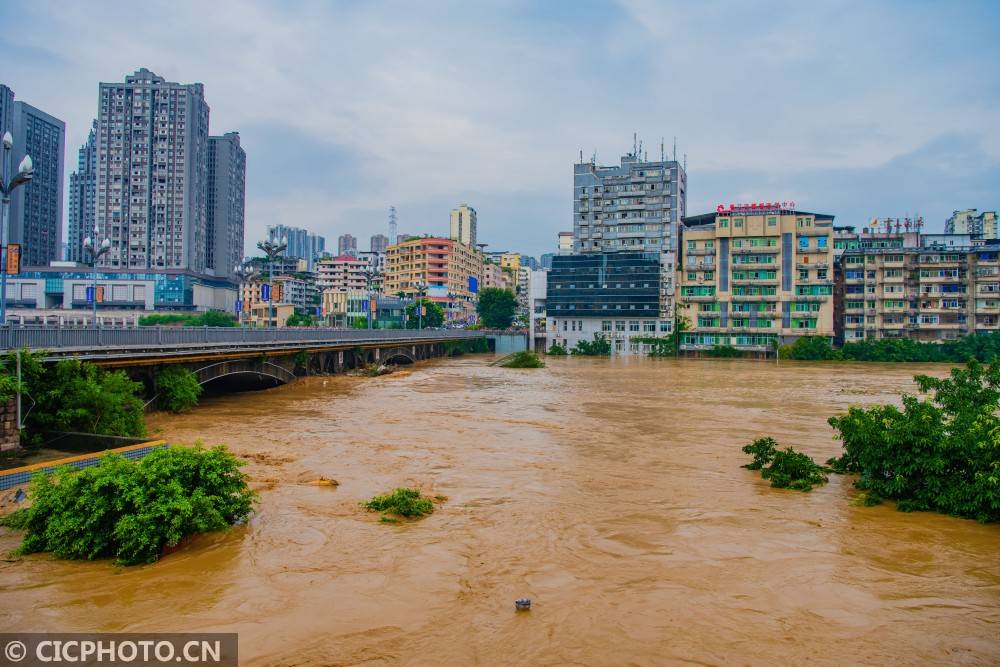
x,y
8,140
88,242
26,167
106,243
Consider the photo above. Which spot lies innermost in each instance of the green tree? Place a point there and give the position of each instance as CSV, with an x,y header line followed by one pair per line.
x,y
941,453
496,307
77,396
178,389
300,320
131,511
557,349
811,348
433,314
599,347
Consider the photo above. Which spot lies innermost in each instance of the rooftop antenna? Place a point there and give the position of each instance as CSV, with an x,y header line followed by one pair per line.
x,y
675,149
581,156
662,156
635,146
685,163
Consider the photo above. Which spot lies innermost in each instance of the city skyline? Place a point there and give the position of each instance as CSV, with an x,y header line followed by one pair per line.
x,y
910,135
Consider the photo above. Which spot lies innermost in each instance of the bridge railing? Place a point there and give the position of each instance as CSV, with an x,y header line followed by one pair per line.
x,y
55,338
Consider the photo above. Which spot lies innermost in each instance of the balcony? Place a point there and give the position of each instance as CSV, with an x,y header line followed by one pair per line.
x,y
754,281
811,297
701,251
760,250
699,297
755,297
812,265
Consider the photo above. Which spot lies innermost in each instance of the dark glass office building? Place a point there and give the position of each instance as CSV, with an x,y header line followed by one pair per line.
x,y
604,285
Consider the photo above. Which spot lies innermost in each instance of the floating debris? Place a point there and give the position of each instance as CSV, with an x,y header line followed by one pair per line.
x,y
522,604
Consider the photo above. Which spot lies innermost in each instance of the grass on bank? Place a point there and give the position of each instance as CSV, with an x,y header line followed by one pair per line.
x,y
523,360
405,503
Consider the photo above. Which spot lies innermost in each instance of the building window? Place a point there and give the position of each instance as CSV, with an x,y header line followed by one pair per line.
x,y
606,325
619,325
772,221
633,325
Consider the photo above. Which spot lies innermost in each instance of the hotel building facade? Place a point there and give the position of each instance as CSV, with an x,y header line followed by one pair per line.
x,y
753,277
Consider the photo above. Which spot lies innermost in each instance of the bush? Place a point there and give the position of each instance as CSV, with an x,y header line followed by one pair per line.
x,y
723,351
178,389
407,503
557,349
600,347
941,454
523,360
433,316
210,318
811,348
132,511
786,469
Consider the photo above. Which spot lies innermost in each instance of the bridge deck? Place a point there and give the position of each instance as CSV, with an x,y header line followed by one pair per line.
x,y
149,344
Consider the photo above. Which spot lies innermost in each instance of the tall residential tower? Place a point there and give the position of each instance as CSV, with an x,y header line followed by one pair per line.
x,y
463,225
227,166
82,198
152,173
36,210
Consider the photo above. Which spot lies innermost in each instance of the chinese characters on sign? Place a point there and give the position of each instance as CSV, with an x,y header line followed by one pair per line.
x,y
756,207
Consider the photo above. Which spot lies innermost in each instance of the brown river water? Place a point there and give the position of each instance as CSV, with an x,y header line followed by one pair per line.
x,y
610,492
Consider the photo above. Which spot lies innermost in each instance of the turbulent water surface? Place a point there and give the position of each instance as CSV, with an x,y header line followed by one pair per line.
x,y
609,492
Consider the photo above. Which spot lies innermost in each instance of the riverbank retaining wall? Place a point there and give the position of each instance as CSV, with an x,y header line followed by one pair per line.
x,y
10,434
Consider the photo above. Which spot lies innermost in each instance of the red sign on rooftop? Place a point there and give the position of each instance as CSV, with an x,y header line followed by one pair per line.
x,y
756,207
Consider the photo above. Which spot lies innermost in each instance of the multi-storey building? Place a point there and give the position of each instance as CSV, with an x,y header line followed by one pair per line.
x,y
463,225
445,270
537,292
295,239
36,210
633,207
378,243
342,273
82,199
755,276
510,261
376,268
614,295
301,243
152,173
928,287
565,243
972,222
227,166
494,276
347,245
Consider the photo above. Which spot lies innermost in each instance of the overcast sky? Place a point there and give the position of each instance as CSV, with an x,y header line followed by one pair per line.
x,y
858,109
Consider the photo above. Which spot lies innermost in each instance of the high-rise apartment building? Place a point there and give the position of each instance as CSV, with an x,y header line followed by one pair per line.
x,y
227,166
633,207
378,243
6,110
152,173
36,210
972,222
82,199
754,276
565,243
302,244
463,225
347,245
296,239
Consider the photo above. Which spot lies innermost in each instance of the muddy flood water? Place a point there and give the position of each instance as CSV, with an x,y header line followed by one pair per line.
x,y
610,492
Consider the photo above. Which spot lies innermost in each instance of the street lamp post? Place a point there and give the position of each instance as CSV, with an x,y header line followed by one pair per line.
x,y
25,172
272,249
96,252
420,305
370,274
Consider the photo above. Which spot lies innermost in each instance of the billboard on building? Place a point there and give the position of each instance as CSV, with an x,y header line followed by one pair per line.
x,y
474,284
